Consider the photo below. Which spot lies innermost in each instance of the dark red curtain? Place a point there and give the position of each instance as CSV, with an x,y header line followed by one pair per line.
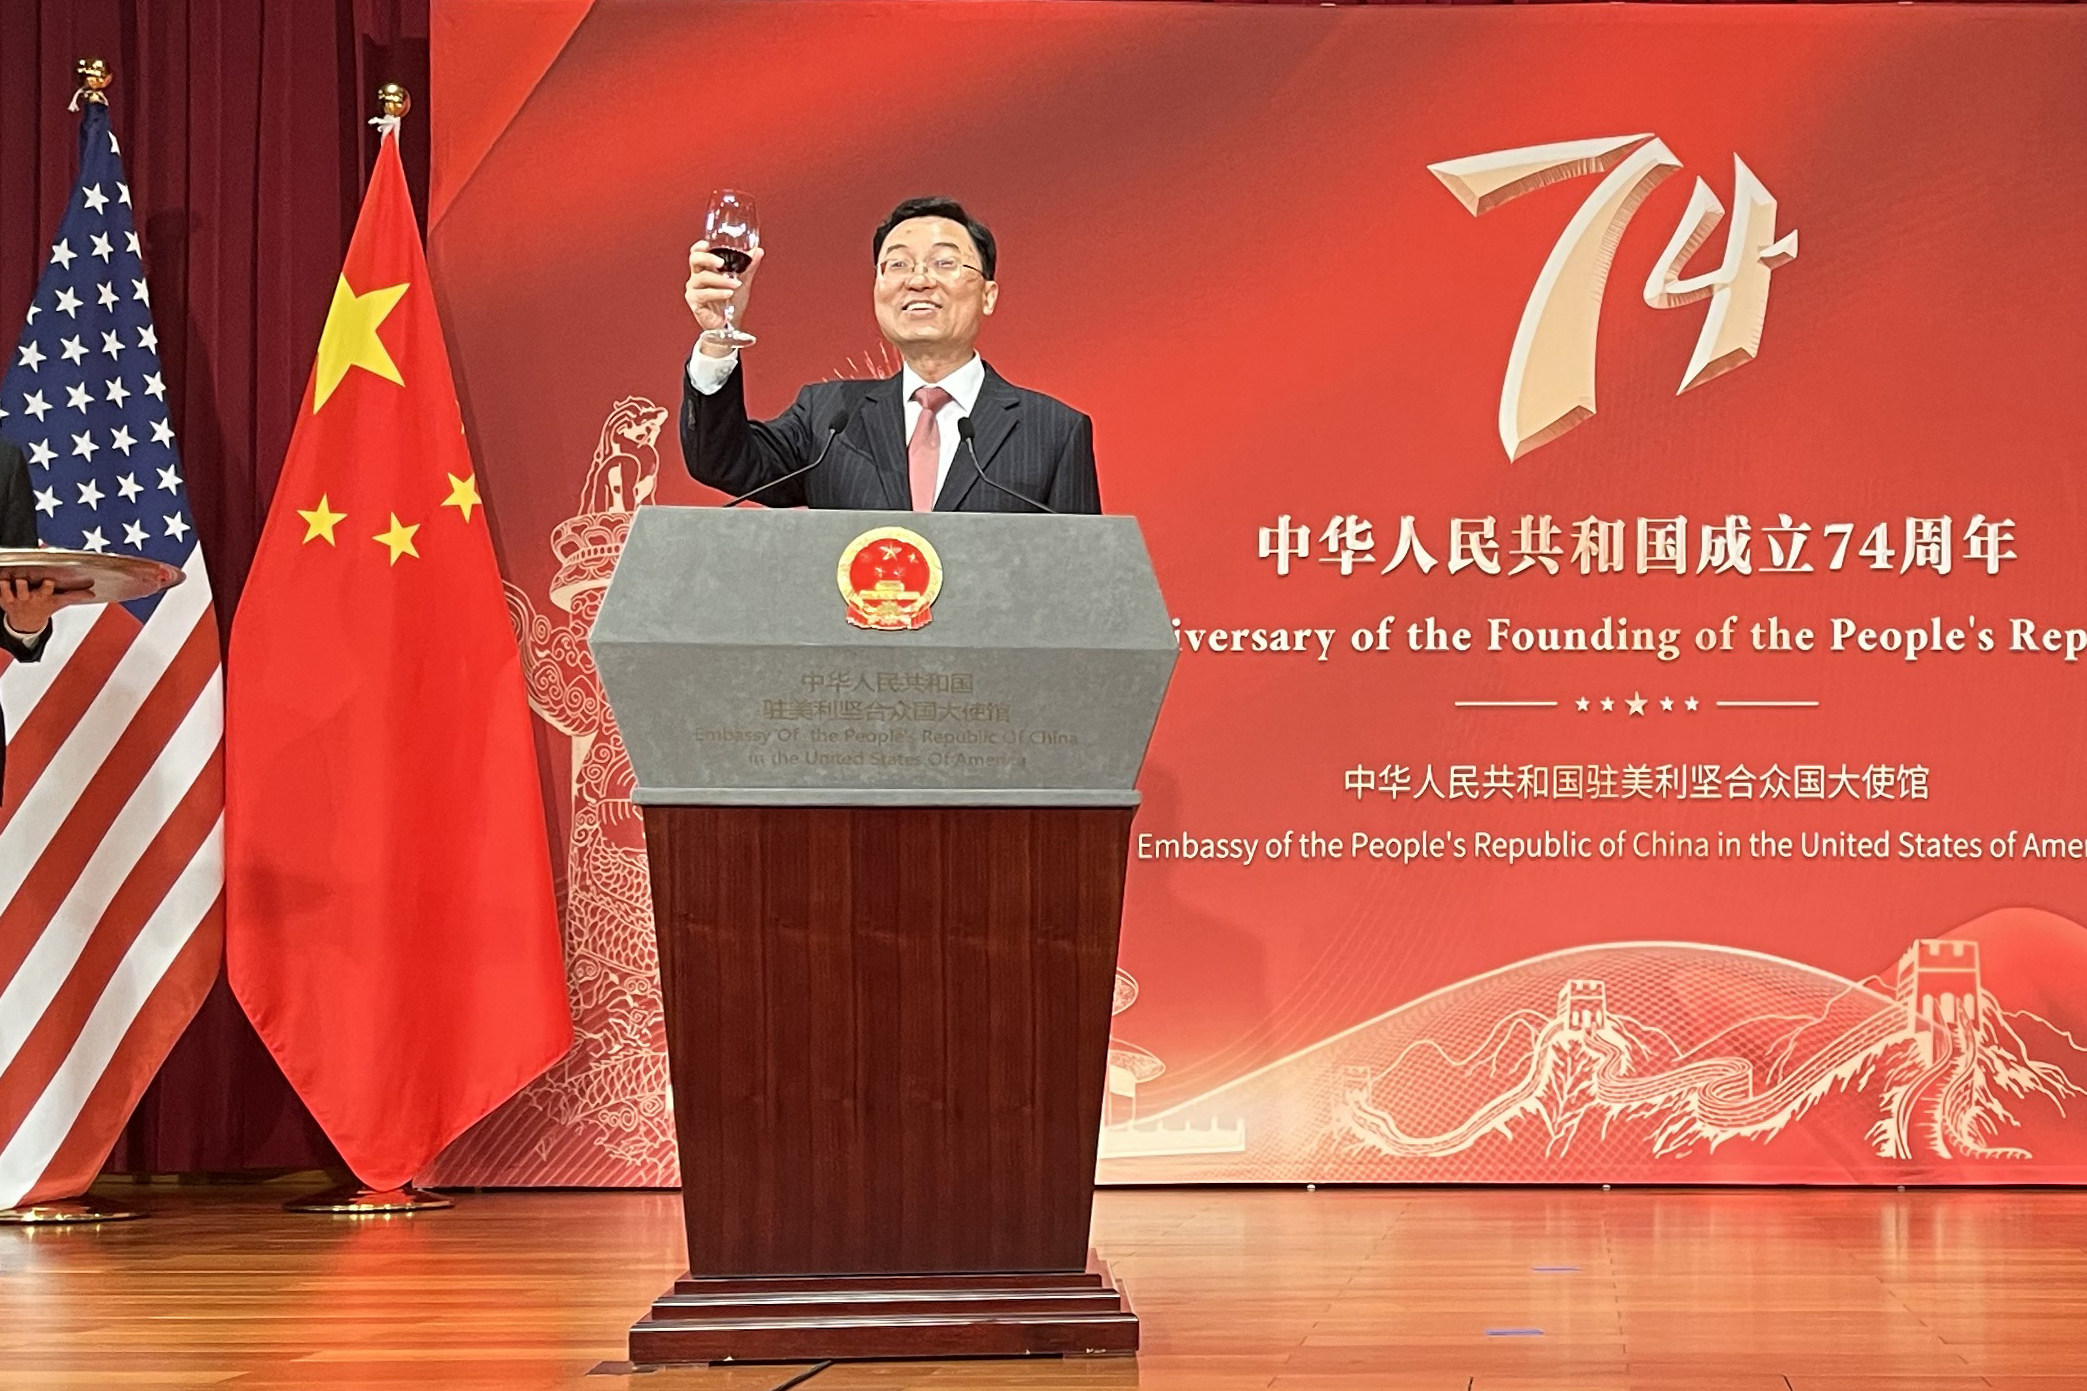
x,y
244,131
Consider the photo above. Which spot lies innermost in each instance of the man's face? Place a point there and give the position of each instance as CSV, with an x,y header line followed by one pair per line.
x,y
929,286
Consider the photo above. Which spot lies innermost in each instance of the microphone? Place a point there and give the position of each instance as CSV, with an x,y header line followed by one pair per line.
x,y
836,424
966,433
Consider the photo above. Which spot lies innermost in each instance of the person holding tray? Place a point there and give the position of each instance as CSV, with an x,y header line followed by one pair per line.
x,y
25,607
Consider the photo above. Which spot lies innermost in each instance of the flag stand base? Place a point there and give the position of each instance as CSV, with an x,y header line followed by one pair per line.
x,y
353,1200
61,1212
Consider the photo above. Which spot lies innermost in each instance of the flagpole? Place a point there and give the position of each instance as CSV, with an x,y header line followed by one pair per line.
x,y
356,1199
94,78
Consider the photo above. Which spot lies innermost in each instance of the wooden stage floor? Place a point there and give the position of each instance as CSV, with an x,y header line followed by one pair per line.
x,y
1338,1290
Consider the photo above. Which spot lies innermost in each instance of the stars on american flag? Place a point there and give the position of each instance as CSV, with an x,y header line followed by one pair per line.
x,y
83,394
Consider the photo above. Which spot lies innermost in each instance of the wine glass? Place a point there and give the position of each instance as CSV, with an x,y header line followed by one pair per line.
x,y
733,230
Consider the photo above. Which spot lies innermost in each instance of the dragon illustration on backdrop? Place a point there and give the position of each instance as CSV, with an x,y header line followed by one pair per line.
x,y
601,1114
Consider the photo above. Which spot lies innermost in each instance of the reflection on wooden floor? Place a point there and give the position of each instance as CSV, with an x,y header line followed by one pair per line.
x,y
1338,1290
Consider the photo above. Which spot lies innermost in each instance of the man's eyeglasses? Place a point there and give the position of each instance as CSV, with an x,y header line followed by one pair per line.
x,y
946,269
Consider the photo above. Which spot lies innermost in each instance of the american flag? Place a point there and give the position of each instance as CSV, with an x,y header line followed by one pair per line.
x,y
112,831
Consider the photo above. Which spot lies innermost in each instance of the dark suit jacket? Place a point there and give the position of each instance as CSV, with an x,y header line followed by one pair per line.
x,y
1026,441
17,528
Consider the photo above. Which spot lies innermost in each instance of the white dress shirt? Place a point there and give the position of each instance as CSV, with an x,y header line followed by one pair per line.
x,y
706,374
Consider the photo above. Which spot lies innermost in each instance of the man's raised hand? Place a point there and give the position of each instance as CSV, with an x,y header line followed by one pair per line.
x,y
710,289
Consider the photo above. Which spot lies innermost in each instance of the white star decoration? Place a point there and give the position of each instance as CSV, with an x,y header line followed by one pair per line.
x,y
1636,703
95,282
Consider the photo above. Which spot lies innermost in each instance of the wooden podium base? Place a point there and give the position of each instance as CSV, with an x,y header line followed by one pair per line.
x,y
782,1319
888,1029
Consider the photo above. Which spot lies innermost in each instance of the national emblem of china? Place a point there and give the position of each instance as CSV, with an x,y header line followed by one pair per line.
x,y
890,577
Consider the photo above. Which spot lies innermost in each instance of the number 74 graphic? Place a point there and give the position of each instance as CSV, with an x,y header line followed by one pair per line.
x,y
1550,372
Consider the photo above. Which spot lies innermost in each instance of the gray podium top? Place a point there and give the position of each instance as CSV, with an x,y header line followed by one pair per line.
x,y
737,678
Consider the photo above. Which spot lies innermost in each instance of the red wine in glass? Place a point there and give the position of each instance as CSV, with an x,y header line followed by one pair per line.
x,y
734,233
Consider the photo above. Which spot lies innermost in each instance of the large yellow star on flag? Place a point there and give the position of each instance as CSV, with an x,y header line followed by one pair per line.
x,y
463,494
350,338
399,538
320,521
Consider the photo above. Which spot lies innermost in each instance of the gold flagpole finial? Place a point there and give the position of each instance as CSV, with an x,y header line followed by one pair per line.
x,y
95,78
393,100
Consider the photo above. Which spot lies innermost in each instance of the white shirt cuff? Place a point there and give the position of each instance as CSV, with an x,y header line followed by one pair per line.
x,y
20,636
706,373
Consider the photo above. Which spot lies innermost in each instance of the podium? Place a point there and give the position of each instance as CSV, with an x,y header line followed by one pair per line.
x,y
887,877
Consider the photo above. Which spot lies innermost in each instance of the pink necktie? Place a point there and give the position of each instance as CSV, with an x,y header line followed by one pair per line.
x,y
924,451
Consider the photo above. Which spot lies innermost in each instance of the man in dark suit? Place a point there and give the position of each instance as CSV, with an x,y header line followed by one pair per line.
x,y
25,609
899,445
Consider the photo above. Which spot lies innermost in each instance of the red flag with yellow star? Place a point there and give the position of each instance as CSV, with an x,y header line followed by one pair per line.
x,y
390,924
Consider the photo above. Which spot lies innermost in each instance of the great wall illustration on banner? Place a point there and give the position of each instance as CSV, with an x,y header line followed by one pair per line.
x,y
1622,1058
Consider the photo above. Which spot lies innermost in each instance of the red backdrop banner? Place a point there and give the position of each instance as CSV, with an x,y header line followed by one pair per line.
x,y
1615,471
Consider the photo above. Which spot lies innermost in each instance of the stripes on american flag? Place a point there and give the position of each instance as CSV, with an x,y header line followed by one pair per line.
x,y
112,829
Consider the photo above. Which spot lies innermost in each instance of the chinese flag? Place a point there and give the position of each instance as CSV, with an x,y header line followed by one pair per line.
x,y
390,925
